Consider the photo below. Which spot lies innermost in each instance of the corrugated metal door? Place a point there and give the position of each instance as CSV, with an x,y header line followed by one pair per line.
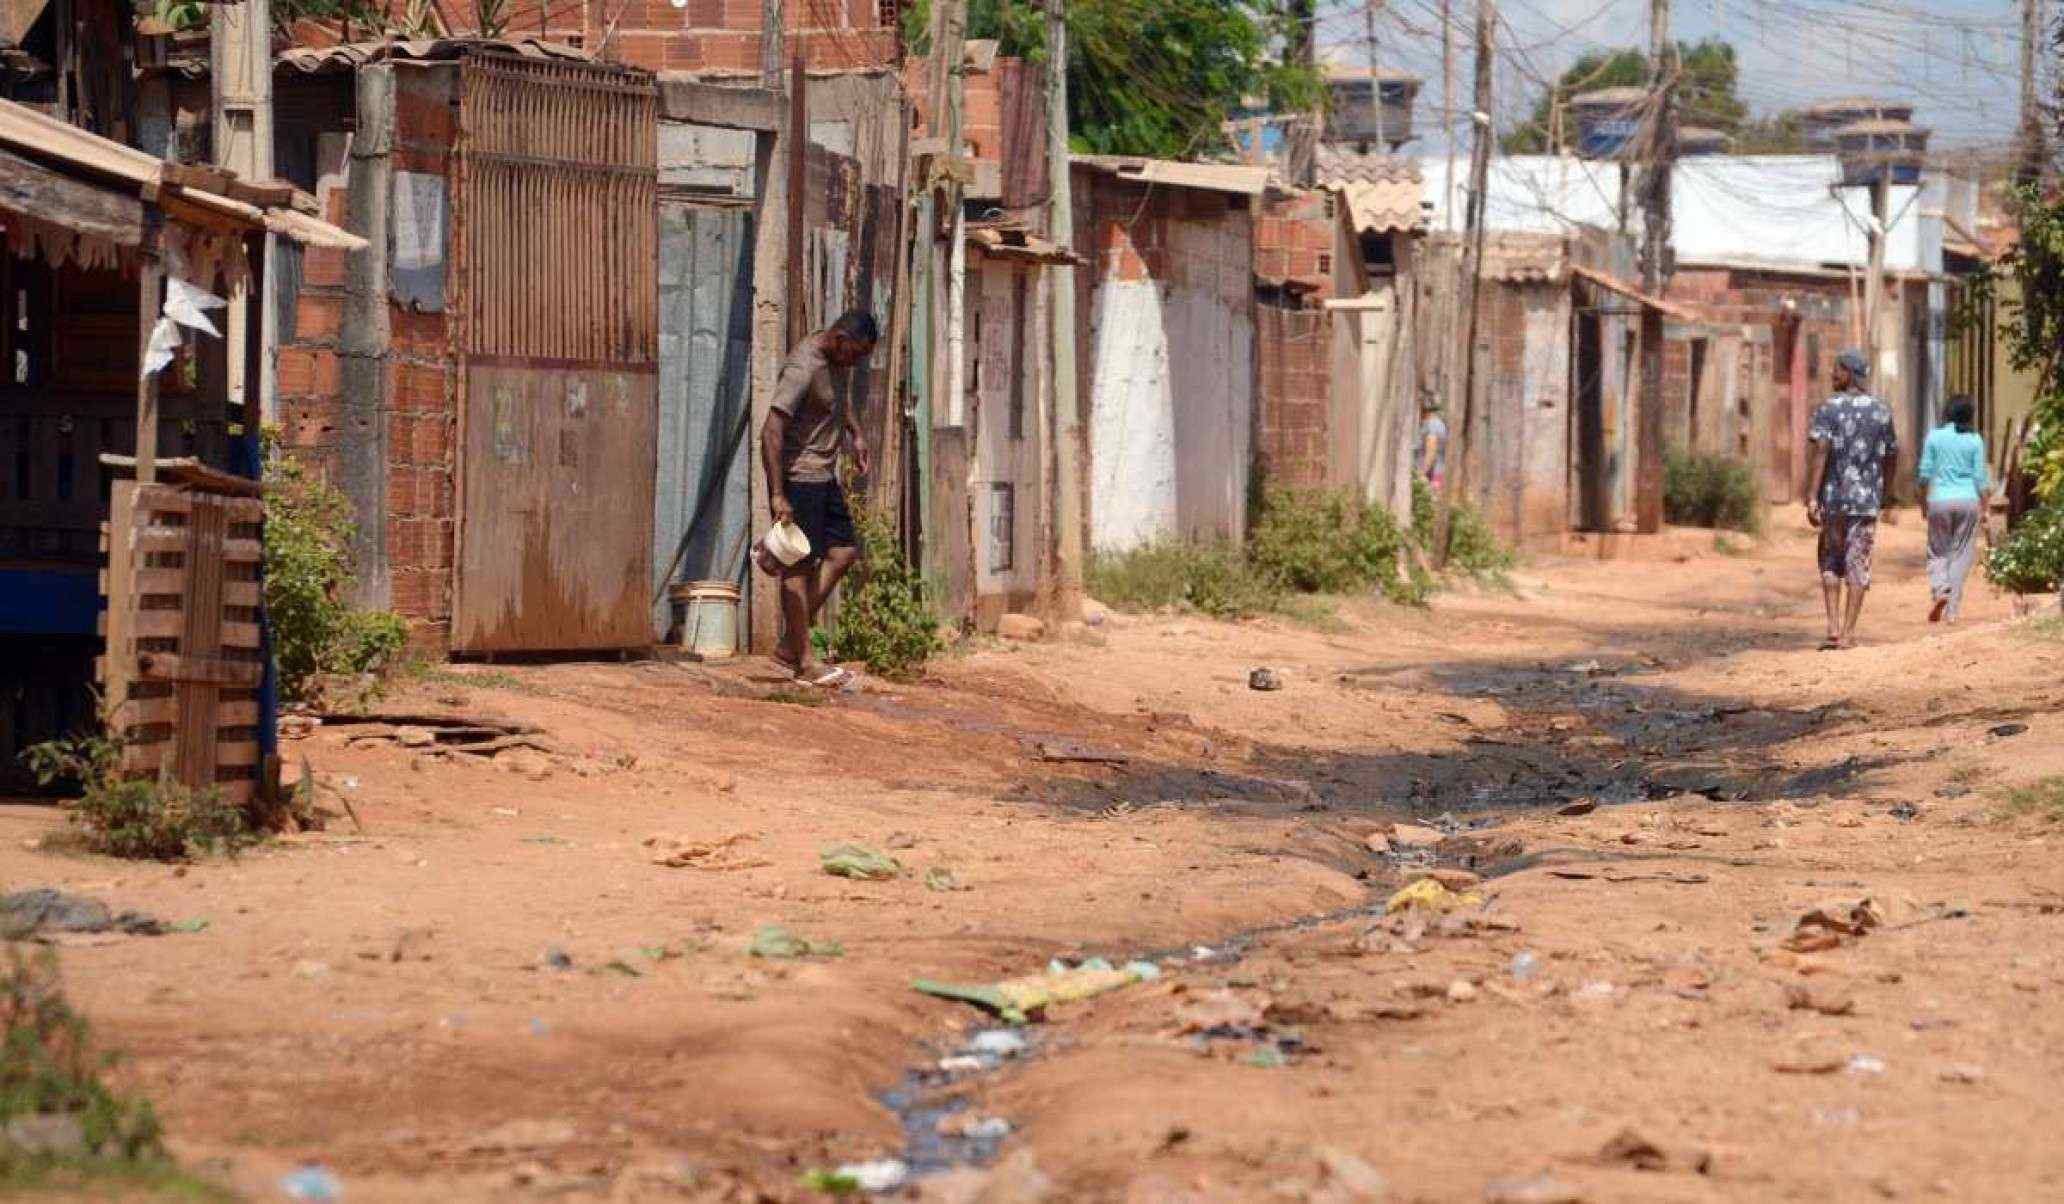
x,y
702,500
556,200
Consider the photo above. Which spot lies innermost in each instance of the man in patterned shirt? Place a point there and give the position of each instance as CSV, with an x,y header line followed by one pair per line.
x,y
1855,451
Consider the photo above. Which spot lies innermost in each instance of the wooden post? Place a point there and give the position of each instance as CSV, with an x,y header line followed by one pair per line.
x,y
1463,441
149,302
1655,254
798,184
1069,484
1874,284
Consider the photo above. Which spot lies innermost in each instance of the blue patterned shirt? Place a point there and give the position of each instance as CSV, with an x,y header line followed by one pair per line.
x,y
1857,431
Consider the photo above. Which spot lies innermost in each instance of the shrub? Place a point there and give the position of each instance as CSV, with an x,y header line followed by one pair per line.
x,y
2030,560
308,565
1331,542
1425,512
1210,579
1473,547
48,1068
137,818
1711,491
888,622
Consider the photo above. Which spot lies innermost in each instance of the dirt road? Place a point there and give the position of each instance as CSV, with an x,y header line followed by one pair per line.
x,y
494,992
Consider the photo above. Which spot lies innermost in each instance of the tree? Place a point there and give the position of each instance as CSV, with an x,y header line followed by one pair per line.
x,y
1706,96
1779,134
1149,77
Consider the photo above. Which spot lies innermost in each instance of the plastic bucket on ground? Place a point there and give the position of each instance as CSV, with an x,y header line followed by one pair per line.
x,y
709,619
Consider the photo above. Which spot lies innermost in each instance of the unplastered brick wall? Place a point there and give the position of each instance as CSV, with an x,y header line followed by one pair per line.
x,y
420,380
724,35
1296,239
1293,357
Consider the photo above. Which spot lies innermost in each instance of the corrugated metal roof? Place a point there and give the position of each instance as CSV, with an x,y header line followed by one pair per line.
x,y
352,55
1211,177
1602,97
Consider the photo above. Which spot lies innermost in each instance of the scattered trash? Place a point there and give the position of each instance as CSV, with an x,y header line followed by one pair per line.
x,y
1617,877
1264,679
524,1135
312,1183
30,913
1524,966
1904,812
558,959
1808,1059
859,862
1828,1001
1202,953
1430,894
1267,1057
901,840
962,1064
620,966
969,1127
676,853
308,968
1018,1000
1414,836
775,943
1145,971
1595,991
939,878
1829,924
999,1043
1461,991
1865,1064
1541,1189
1069,752
1346,1179
831,1183
1582,806
1629,1148
1220,1009
1961,1072
538,1027
2005,730
878,1177
1586,668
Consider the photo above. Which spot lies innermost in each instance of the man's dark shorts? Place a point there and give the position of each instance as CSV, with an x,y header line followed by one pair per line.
x,y
820,510
1846,543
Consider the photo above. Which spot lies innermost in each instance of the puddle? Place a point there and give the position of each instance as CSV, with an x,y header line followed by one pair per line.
x,y
931,1099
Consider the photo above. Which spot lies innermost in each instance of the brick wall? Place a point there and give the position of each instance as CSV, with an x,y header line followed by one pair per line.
x,y
723,36
1297,239
1294,360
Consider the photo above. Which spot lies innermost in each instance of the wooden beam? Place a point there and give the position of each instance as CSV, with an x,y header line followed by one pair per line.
x,y
61,200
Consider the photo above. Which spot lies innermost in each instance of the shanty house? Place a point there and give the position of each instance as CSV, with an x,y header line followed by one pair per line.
x,y
130,512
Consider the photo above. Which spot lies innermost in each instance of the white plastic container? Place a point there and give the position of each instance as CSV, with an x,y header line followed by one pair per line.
x,y
787,544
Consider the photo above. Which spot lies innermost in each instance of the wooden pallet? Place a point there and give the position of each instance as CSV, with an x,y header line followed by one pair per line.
x,y
183,663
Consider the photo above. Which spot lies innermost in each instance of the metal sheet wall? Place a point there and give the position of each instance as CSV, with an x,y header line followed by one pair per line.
x,y
703,490
556,200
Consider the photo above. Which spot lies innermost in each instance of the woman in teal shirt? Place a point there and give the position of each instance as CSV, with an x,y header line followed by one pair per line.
x,y
1955,489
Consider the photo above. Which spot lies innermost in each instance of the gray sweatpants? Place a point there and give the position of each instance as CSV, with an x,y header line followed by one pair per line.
x,y
1952,547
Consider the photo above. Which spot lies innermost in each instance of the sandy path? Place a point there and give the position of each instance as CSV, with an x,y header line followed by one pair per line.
x,y
384,1003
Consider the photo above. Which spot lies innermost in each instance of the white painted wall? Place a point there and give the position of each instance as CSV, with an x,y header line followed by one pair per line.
x,y
1132,418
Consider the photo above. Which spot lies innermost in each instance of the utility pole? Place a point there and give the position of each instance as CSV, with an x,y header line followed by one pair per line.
x,y
1069,485
1447,102
1301,149
1874,285
1463,445
240,68
2034,143
1655,263
798,187
1375,77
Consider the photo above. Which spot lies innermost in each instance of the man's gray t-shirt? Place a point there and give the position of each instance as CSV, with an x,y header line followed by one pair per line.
x,y
1857,430
1435,430
810,450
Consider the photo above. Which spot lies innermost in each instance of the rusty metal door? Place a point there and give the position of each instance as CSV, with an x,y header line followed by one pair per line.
x,y
556,204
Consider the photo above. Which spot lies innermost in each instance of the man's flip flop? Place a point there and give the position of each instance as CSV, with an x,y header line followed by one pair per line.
x,y
1831,644
828,679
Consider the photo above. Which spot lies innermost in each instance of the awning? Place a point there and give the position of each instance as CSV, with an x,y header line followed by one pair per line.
x,y
1611,283
1211,177
43,149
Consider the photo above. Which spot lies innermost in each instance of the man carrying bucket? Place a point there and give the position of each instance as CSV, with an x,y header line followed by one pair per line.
x,y
799,448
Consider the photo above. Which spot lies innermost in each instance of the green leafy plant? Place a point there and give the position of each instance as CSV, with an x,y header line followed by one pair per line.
x,y
1212,579
1474,549
1425,512
308,565
1711,491
2030,560
1330,542
2045,798
887,621
142,819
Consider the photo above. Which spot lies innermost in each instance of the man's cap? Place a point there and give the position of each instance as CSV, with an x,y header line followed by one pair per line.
x,y
1853,360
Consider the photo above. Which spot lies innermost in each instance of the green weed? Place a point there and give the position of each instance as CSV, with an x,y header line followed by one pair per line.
x,y
1331,542
1474,549
1173,574
887,621
50,1080
2044,798
308,565
141,819
2030,560
1711,491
